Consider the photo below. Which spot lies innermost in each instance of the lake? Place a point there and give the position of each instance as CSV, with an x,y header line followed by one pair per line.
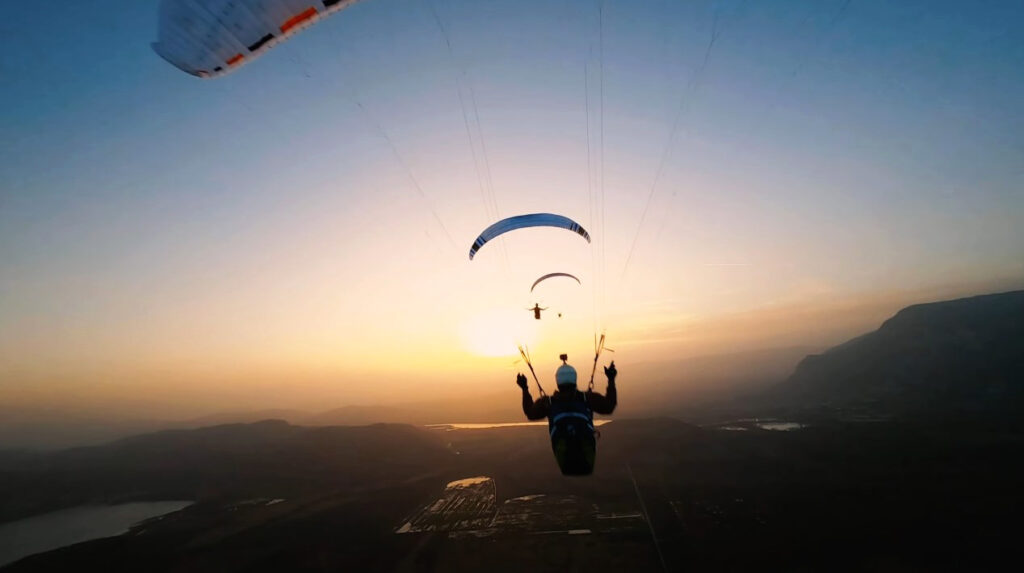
x,y
56,529
764,424
469,426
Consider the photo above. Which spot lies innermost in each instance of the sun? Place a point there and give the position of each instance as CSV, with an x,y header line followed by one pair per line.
x,y
498,332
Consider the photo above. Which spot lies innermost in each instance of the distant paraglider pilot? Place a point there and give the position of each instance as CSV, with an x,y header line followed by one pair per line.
x,y
536,310
570,415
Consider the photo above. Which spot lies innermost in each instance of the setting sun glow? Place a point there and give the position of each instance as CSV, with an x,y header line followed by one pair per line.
x,y
497,332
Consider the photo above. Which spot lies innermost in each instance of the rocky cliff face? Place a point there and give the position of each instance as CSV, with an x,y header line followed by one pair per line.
x,y
964,354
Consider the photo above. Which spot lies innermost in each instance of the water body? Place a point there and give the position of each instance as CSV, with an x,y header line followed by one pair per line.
x,y
765,424
449,427
50,531
780,426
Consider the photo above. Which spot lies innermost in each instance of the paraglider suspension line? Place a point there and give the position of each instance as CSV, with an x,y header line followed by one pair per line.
x,y
525,353
598,347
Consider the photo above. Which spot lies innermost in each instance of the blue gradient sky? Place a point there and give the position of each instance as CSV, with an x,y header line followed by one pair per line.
x,y
191,242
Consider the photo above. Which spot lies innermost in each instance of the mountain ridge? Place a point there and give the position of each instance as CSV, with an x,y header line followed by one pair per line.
x,y
963,354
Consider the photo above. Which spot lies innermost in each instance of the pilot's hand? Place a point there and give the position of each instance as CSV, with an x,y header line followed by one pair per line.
x,y
521,381
610,371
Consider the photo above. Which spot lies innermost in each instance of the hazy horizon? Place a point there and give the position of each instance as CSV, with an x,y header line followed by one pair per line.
x,y
295,234
825,327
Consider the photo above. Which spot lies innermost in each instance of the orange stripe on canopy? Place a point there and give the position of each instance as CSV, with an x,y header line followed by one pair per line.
x,y
298,19
235,59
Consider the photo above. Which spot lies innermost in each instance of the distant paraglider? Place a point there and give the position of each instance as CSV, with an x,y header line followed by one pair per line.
x,y
544,278
522,221
536,310
209,38
551,275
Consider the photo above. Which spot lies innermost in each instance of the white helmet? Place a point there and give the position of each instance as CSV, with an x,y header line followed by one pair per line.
x,y
565,376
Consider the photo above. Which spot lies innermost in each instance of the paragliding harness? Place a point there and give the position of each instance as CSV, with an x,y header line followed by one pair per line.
x,y
570,425
573,439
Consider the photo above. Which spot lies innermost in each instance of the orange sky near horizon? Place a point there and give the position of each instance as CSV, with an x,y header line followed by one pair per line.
x,y
425,366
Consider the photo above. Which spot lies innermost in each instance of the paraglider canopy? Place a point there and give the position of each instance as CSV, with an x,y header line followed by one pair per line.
x,y
209,38
522,221
550,275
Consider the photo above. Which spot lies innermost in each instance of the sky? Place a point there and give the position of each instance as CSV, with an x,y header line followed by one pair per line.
x,y
296,233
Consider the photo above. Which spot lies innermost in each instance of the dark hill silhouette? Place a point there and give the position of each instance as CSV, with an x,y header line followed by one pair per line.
x,y
355,415
879,496
298,417
40,428
960,355
232,461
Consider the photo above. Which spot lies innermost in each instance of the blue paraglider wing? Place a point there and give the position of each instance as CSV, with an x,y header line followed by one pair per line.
x,y
522,221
